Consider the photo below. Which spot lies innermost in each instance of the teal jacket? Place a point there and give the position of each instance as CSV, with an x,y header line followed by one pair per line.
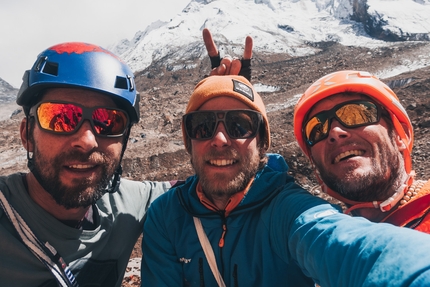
x,y
278,230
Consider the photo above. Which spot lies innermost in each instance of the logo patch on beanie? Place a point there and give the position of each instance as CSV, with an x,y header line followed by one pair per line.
x,y
243,89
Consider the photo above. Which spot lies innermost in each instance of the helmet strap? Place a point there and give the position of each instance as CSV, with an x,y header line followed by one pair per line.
x,y
384,206
114,183
30,162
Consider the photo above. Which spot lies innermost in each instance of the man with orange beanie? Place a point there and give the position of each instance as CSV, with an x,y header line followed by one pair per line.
x,y
226,131
242,221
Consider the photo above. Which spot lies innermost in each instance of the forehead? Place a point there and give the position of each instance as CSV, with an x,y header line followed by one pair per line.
x,y
331,101
223,103
78,96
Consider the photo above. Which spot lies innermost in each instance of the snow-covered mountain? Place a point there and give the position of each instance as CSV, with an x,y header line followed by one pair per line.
x,y
283,26
7,92
7,100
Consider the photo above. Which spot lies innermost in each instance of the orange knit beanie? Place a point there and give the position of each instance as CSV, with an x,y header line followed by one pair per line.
x,y
226,86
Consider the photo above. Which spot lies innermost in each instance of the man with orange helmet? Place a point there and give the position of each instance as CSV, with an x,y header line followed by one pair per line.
x,y
358,136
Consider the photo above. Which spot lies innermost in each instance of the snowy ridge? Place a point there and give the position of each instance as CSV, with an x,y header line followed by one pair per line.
x,y
286,26
7,92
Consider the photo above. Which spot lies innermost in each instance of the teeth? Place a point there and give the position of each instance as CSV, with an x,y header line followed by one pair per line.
x,y
221,162
348,153
81,166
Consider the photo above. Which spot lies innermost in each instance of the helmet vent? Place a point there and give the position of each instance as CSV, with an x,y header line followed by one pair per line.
x,y
125,83
121,83
39,63
42,65
50,68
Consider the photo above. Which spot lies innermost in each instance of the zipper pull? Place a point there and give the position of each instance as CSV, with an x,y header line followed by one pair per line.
x,y
221,241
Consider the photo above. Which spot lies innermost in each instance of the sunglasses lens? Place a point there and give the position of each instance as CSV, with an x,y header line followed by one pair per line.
x,y
357,114
200,125
61,118
350,115
109,122
66,118
241,124
316,129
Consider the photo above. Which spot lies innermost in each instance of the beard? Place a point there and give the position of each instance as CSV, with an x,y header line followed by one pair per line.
x,y
370,186
221,184
84,192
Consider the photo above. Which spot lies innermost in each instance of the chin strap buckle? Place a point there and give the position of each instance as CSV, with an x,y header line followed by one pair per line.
x,y
398,195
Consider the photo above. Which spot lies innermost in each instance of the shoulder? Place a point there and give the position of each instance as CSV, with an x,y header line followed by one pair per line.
x,y
293,201
276,162
177,198
133,196
132,185
168,199
147,190
12,185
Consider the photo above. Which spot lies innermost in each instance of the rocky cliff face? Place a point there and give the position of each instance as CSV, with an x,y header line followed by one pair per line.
x,y
7,92
376,24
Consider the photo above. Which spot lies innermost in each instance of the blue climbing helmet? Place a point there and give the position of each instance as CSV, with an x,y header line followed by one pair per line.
x,y
85,66
81,65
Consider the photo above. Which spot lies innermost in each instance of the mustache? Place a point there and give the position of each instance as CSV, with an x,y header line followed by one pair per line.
x,y
95,157
226,153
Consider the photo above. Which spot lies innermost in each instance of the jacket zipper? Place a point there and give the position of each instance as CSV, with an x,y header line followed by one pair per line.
x,y
222,240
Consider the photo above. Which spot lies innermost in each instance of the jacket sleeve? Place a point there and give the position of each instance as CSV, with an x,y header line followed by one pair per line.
x,y
160,266
338,250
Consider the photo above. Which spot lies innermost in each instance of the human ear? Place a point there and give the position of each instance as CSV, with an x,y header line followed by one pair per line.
x,y
403,144
26,139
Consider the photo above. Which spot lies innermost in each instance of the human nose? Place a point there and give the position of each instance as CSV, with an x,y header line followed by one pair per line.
x,y
84,138
337,132
220,137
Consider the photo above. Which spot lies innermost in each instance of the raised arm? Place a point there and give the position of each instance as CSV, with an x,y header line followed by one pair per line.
x,y
228,65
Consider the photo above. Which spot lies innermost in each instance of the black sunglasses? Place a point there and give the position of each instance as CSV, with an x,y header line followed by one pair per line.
x,y
350,114
239,124
67,118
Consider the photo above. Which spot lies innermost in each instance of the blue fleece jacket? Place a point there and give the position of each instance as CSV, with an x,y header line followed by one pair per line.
x,y
276,228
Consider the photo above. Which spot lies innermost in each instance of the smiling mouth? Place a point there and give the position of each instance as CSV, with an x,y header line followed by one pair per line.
x,y
81,166
222,162
347,154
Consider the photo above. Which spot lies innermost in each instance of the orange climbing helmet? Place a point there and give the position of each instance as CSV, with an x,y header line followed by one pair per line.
x,y
359,82
369,85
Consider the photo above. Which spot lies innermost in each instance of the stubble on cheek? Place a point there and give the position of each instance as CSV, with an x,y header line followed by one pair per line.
x,y
373,181
226,183
76,192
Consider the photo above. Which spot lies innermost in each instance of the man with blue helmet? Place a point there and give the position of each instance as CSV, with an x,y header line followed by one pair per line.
x,y
72,220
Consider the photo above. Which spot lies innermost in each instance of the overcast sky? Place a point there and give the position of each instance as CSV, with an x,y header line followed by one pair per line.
x,y
27,27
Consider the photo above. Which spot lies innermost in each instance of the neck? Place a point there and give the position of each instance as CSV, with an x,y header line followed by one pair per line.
x,y
219,201
375,214
40,196
372,214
